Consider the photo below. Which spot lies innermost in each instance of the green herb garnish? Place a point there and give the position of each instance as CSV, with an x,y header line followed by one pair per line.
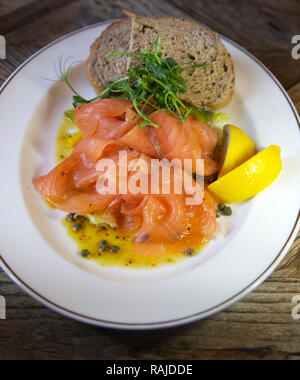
x,y
153,85
70,114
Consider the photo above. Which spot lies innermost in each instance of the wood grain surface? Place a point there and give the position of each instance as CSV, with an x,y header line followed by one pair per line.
x,y
258,327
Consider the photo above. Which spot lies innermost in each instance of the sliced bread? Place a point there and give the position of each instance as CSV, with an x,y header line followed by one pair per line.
x,y
183,40
187,41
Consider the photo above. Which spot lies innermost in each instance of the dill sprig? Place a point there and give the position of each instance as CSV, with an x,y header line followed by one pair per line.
x,y
63,71
153,84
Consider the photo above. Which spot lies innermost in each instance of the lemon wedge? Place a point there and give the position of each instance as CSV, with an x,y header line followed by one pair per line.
x,y
250,178
237,149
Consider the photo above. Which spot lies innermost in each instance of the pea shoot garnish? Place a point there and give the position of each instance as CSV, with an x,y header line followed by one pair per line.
x,y
154,84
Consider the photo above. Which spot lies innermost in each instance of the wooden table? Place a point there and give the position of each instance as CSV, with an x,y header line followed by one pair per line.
x,y
260,326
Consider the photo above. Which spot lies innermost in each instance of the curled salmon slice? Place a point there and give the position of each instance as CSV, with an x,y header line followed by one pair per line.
x,y
87,203
138,138
199,228
88,116
96,147
54,186
163,218
186,140
207,138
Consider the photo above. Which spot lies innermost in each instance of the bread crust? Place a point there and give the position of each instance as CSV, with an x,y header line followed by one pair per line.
x,y
96,82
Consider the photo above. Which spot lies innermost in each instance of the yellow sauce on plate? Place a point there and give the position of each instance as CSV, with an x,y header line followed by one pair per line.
x,y
90,237
64,140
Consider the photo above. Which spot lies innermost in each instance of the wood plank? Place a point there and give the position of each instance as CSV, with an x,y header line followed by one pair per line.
x,y
290,267
93,11
35,31
20,13
267,26
260,326
51,22
15,57
9,6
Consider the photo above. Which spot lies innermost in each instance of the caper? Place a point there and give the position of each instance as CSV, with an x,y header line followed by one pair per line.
x,y
189,252
218,213
77,227
103,246
227,211
71,218
85,253
221,206
115,249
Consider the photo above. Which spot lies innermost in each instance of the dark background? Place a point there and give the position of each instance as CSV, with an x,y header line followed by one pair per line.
x,y
260,326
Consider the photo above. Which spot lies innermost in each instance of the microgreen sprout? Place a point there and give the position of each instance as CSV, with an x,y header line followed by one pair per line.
x,y
154,83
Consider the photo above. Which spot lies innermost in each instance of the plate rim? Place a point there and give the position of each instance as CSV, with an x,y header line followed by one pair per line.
x,y
179,321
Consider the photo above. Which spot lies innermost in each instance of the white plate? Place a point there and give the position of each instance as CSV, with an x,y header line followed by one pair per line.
x,y
38,255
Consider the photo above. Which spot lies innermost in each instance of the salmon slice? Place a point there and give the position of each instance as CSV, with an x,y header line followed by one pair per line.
x,y
91,150
199,228
206,136
139,139
131,120
87,203
55,185
163,218
203,221
173,137
85,176
96,147
133,205
77,172
185,140
88,116
130,223
211,167
109,128
208,139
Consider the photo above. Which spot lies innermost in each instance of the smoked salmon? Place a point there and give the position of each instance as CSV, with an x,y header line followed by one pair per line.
x,y
116,119
162,222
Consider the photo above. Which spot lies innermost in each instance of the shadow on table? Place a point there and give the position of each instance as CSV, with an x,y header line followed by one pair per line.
x,y
170,343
